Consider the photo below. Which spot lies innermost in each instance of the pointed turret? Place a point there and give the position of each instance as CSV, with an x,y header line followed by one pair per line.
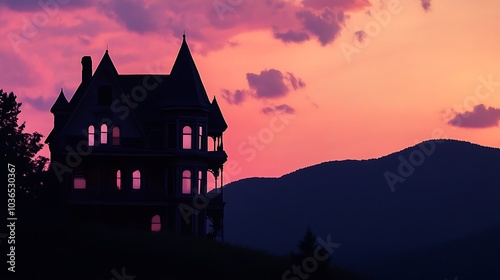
x,y
187,87
216,122
61,104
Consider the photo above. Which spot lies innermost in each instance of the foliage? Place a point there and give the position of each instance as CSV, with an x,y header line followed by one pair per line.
x,y
18,147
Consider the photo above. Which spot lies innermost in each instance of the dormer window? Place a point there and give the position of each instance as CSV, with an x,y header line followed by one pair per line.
x,y
104,95
187,134
104,134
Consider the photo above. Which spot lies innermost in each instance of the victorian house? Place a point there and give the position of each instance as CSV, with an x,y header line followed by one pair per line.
x,y
143,151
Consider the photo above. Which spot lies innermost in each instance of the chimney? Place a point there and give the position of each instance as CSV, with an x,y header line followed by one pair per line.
x,y
86,68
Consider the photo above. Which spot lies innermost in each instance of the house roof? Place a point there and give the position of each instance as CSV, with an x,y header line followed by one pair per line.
x,y
185,88
182,89
216,121
61,103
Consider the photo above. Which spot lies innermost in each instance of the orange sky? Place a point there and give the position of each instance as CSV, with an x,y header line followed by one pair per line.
x,y
410,66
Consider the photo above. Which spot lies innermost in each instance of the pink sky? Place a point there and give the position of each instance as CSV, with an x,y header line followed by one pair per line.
x,y
299,82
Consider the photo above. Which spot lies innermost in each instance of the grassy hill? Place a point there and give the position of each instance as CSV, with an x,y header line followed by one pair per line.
x,y
50,245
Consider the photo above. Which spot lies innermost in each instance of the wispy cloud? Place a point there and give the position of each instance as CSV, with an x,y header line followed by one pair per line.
x,y
279,109
426,4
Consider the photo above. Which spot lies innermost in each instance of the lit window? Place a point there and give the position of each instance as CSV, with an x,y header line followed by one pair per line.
x,y
116,136
91,135
118,180
186,137
79,182
136,180
156,223
186,182
200,178
104,134
200,138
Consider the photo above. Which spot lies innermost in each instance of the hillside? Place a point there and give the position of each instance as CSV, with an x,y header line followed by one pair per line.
x,y
51,245
450,193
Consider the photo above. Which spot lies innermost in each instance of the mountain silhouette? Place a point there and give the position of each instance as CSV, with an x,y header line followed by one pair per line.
x,y
445,191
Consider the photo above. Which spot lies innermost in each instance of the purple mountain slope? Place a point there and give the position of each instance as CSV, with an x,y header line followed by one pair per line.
x,y
430,194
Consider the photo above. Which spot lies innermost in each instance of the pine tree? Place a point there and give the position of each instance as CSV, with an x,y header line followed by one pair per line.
x,y
307,247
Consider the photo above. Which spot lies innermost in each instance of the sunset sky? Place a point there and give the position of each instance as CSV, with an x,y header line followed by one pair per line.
x,y
299,81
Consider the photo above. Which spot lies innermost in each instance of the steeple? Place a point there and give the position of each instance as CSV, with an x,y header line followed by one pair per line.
x,y
187,87
61,104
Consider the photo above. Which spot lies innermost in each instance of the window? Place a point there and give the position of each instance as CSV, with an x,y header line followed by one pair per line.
x,y
79,182
156,223
118,180
136,180
200,138
91,135
200,182
104,134
186,137
116,136
104,95
186,182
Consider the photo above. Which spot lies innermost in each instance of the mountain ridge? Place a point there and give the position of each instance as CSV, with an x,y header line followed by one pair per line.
x,y
449,195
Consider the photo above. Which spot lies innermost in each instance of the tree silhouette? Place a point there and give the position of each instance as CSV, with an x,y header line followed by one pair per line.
x,y
309,249
19,148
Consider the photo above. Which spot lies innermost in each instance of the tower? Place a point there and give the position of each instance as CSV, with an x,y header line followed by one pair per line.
x,y
141,151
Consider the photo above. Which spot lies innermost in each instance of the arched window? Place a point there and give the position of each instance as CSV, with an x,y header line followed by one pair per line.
x,y
136,180
186,182
118,180
91,135
156,223
104,134
187,132
200,138
116,136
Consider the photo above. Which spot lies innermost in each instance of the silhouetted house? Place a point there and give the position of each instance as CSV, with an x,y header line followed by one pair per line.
x,y
140,150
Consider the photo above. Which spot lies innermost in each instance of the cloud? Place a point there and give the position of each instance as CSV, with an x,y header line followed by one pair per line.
x,y
426,4
236,97
268,84
360,36
279,109
134,15
325,26
33,6
480,117
337,4
292,36
39,103
294,81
